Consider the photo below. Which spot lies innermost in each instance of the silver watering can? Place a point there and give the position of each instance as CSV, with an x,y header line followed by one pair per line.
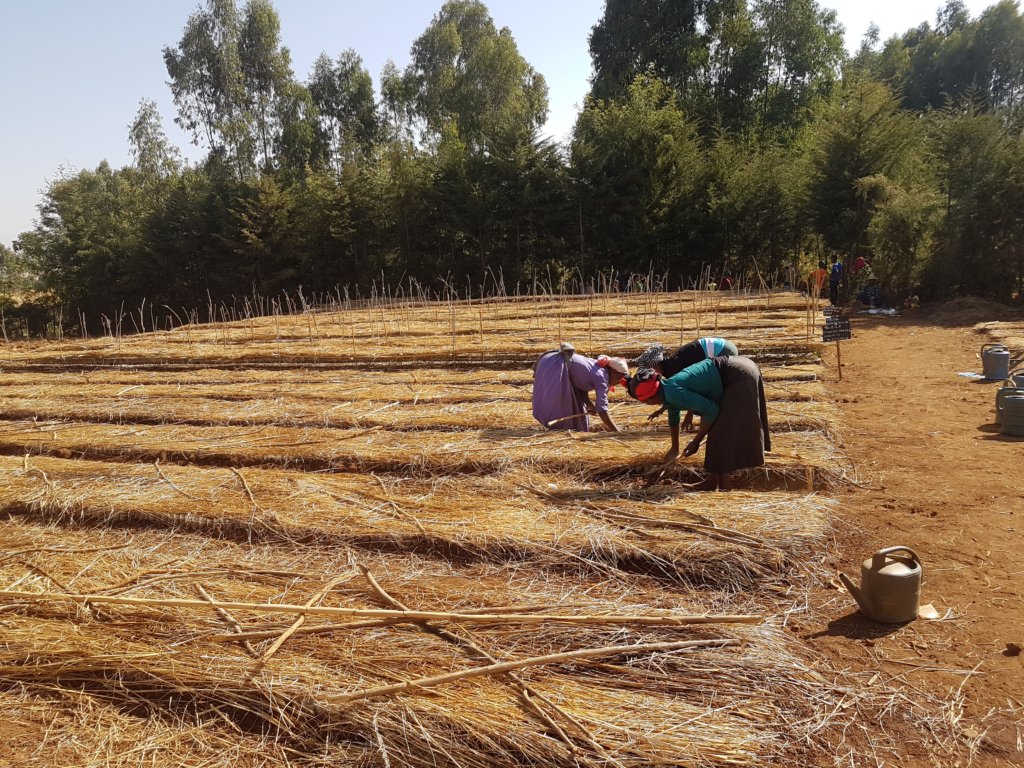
x,y
995,361
890,586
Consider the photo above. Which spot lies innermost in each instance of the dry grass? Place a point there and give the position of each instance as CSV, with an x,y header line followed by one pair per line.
x,y
266,460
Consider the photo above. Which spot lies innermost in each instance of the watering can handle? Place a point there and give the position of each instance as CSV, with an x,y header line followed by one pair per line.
x,y
983,348
890,550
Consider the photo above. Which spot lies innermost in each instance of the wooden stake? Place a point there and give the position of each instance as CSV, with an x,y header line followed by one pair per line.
x,y
839,360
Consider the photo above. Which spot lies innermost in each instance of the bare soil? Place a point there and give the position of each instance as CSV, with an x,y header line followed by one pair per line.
x,y
935,475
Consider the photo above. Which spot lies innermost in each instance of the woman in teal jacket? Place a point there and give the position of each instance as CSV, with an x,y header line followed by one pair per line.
x,y
728,393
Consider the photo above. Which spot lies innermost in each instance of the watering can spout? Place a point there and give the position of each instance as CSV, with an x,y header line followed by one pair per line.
x,y
862,599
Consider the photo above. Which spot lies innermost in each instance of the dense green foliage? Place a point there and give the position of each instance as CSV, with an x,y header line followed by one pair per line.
x,y
718,134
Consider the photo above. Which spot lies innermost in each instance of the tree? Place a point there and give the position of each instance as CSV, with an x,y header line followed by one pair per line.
x,y
207,83
396,101
861,134
981,248
343,94
154,155
731,66
266,71
638,165
803,48
469,76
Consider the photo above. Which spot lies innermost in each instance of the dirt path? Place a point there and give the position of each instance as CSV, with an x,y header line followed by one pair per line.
x,y
936,476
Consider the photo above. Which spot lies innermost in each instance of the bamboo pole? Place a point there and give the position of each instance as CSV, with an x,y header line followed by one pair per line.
x,y
420,684
380,613
301,619
525,691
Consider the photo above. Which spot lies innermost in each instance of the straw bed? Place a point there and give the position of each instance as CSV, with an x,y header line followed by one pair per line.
x,y
338,538
742,541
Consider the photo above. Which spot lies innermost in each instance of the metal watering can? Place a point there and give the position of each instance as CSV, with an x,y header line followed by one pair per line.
x,y
995,361
1017,377
1004,392
1010,410
890,586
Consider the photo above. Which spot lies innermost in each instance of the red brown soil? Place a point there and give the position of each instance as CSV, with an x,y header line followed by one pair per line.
x,y
936,476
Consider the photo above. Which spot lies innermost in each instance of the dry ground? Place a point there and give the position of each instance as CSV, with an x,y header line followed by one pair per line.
x,y
938,477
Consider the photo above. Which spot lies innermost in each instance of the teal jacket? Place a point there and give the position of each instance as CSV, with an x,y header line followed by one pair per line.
x,y
697,388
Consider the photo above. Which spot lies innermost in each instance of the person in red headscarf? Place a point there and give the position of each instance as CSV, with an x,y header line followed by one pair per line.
x,y
728,393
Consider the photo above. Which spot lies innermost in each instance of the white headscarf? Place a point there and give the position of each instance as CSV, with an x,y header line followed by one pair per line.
x,y
615,363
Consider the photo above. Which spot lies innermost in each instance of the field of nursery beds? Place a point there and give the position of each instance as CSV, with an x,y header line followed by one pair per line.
x,y
339,538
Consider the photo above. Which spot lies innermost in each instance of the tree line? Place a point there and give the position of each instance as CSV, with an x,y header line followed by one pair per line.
x,y
718,135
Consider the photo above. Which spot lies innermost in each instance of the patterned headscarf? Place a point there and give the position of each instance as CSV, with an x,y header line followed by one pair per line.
x,y
652,357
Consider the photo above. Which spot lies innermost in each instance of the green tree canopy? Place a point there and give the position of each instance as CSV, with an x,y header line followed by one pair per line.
x,y
469,77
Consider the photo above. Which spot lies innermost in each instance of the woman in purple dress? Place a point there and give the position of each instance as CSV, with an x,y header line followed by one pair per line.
x,y
562,382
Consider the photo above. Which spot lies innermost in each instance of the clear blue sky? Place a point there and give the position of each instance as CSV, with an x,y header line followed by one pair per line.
x,y
72,72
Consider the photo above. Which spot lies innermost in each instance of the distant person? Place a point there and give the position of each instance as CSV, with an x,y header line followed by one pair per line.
x,y
816,280
858,264
562,383
835,278
728,393
725,284
689,354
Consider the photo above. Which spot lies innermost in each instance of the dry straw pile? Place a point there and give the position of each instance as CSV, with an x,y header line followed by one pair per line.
x,y
338,538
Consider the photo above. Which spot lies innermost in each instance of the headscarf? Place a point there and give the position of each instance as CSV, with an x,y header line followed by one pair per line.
x,y
644,383
615,363
652,357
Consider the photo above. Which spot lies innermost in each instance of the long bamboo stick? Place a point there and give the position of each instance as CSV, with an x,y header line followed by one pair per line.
x,y
413,616
418,685
463,642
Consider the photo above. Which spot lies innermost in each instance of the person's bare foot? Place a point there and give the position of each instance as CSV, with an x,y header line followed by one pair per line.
x,y
709,483
724,483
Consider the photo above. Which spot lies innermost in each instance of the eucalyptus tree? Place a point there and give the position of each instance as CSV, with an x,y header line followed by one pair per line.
x,y
207,83
731,65
396,102
469,77
802,47
154,155
960,56
266,71
666,39
342,92
228,74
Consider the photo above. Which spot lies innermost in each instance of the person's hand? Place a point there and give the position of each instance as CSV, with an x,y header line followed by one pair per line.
x,y
687,425
691,447
656,414
591,409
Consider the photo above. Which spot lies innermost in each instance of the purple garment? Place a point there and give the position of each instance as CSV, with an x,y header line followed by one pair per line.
x,y
559,390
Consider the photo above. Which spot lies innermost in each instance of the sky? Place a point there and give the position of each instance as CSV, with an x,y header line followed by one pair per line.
x,y
72,72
